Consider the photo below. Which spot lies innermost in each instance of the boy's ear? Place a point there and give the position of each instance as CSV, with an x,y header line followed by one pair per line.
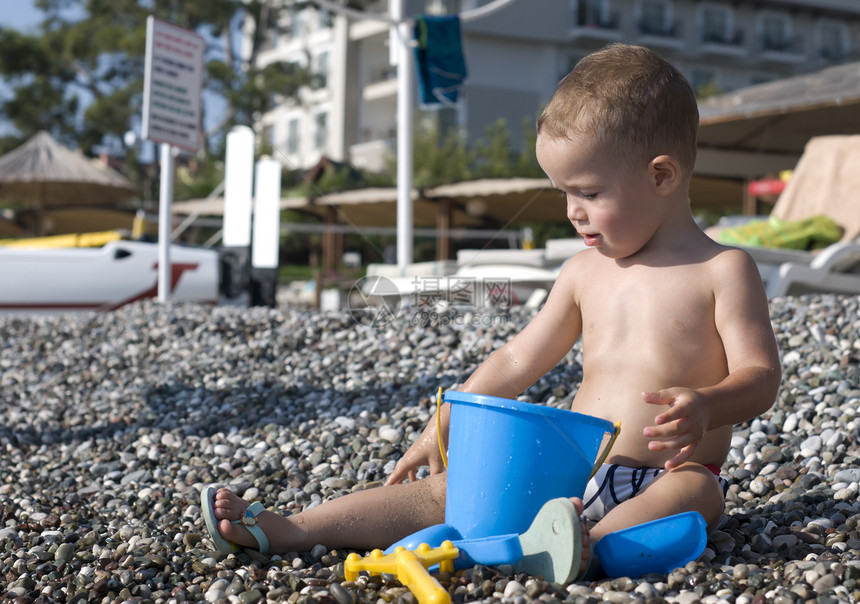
x,y
665,173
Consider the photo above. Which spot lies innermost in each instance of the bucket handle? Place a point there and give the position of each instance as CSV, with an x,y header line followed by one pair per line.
x,y
439,427
616,430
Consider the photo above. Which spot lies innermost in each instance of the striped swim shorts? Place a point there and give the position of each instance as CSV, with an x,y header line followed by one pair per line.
x,y
614,484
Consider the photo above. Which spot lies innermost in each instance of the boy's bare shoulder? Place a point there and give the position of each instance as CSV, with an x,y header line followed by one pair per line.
x,y
716,257
734,276
583,259
715,266
728,259
581,263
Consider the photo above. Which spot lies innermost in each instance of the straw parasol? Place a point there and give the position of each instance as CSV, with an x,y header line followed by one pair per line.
x,y
781,116
43,174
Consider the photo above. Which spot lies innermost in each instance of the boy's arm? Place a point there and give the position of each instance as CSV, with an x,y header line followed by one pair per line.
x,y
507,371
537,348
742,320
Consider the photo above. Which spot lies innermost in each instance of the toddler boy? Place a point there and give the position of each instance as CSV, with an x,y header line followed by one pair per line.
x,y
676,336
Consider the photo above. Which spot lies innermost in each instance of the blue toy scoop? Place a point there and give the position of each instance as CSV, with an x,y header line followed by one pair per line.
x,y
659,546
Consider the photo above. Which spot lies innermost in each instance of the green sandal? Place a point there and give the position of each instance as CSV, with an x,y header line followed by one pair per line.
x,y
248,520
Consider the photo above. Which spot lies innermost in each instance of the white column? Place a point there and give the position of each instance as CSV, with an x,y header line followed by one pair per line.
x,y
238,183
401,36
267,214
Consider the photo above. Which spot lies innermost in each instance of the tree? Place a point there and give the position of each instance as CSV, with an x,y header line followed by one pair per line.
x,y
445,158
527,164
436,159
81,76
494,156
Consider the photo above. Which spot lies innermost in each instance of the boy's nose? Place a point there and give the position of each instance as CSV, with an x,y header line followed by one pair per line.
x,y
575,212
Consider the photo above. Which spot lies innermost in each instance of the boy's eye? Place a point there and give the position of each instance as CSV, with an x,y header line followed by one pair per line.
x,y
580,194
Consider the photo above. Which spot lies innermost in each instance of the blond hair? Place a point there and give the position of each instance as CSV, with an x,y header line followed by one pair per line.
x,y
631,99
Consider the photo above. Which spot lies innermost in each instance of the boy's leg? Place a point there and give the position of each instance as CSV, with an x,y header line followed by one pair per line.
x,y
369,519
364,520
690,487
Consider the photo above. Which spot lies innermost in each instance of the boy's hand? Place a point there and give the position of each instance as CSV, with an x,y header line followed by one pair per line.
x,y
423,452
682,426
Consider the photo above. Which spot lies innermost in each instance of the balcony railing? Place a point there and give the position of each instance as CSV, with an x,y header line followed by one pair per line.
x,y
659,30
781,46
837,55
722,41
375,152
601,26
383,74
733,38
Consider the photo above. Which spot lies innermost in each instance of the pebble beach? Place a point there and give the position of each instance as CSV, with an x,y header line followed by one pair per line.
x,y
113,423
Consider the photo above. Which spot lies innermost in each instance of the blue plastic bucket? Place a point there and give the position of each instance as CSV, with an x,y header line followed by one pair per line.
x,y
507,458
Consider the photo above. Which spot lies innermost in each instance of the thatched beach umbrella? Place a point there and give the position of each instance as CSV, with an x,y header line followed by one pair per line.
x,y
43,174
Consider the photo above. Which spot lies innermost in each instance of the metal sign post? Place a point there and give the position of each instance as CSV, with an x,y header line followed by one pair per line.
x,y
164,224
401,35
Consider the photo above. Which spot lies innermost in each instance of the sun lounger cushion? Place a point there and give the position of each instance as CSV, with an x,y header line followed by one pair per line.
x,y
808,234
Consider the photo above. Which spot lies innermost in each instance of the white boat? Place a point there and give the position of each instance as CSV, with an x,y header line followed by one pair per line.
x,y
101,278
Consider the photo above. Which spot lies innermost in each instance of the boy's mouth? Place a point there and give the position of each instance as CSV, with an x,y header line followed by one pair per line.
x,y
590,239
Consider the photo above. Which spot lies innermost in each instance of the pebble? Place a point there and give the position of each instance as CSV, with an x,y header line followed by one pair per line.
x,y
513,589
113,423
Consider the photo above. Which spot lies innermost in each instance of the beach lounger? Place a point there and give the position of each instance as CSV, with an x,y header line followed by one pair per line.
x,y
529,274
835,269
824,183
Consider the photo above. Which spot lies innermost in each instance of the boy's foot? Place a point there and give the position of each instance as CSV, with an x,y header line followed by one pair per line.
x,y
232,522
557,545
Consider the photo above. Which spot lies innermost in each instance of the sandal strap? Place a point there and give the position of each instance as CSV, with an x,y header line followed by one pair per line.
x,y
255,508
256,532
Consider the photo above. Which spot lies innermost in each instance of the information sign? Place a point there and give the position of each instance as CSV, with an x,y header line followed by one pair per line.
x,y
172,85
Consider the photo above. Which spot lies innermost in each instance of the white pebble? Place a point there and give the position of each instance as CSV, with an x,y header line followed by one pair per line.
x,y
392,435
223,450
514,588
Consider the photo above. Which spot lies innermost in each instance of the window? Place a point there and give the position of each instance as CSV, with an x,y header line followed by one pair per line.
x,y
321,70
775,32
297,25
269,134
655,17
589,13
716,24
324,18
832,40
274,31
293,136
321,130
594,19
